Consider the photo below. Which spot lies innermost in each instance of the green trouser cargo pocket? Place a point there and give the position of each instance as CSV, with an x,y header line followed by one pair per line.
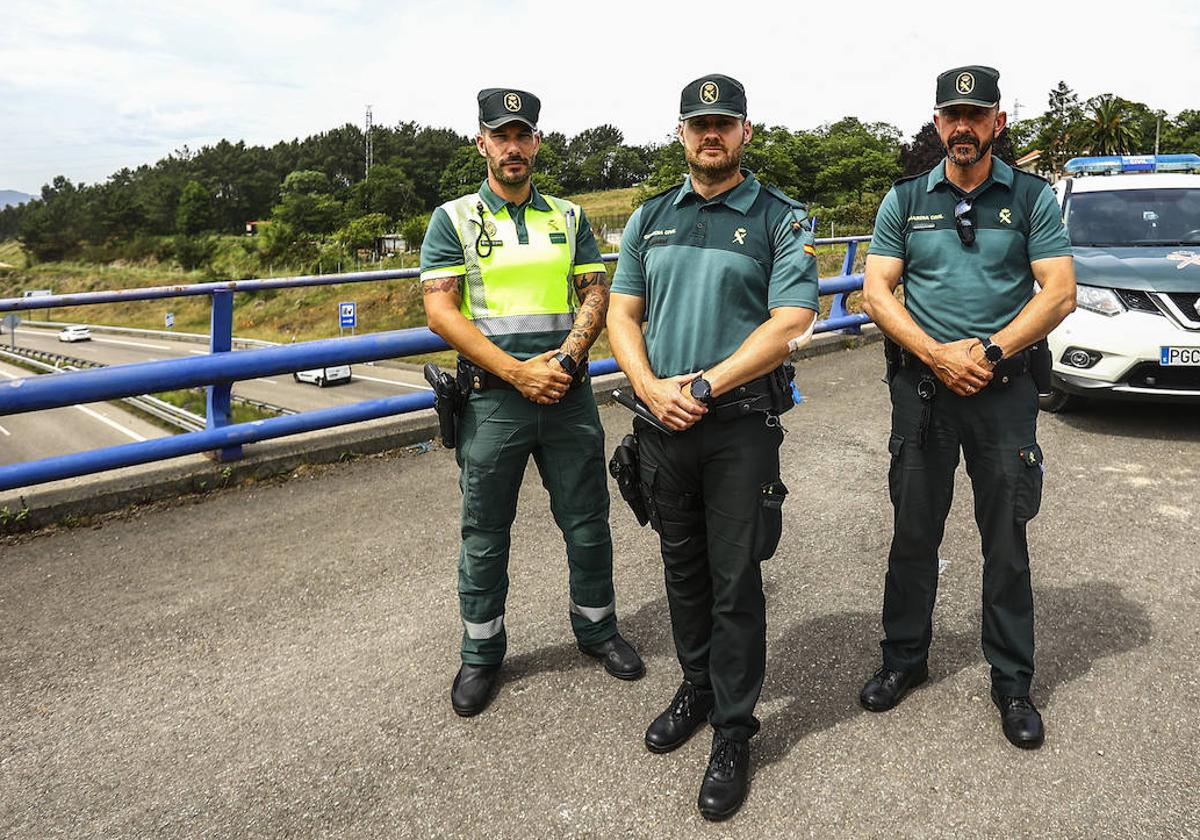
x,y
769,527
1027,496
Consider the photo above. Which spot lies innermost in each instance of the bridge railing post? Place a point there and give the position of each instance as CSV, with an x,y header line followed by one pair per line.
x,y
837,308
219,408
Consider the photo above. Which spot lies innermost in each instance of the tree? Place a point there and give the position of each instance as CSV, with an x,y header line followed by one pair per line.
x,y
1058,130
363,232
1109,130
305,204
924,152
194,213
385,190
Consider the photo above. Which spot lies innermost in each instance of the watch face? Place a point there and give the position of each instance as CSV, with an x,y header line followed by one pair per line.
x,y
701,390
994,353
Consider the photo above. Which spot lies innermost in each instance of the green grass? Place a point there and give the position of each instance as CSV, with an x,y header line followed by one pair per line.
x,y
606,202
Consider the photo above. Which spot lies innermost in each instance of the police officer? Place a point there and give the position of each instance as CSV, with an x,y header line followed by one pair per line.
x,y
513,281
970,237
722,270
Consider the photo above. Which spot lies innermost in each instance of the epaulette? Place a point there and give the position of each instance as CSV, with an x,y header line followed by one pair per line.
x,y
800,219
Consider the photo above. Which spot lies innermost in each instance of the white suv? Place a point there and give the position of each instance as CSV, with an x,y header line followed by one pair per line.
x,y
1135,332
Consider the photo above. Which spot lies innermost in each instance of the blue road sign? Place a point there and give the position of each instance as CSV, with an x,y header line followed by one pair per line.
x,y
170,319
348,314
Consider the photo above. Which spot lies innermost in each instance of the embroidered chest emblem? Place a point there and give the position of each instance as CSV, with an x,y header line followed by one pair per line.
x,y
1006,216
739,236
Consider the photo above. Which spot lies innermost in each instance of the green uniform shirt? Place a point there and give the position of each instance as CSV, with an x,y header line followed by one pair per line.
x,y
711,270
522,296
955,291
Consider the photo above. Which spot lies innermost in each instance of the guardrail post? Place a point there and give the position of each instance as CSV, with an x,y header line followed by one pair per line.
x,y
837,309
219,404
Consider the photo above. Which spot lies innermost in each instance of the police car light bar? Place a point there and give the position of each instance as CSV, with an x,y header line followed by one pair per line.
x,y
1113,164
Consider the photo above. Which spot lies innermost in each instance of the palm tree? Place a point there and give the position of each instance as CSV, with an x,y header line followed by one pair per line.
x,y
1109,130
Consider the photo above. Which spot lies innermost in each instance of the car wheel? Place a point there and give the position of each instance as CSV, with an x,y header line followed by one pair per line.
x,y
1058,402
295,377
321,382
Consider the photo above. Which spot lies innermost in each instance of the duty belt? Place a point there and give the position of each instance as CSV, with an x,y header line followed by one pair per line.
x,y
478,379
769,393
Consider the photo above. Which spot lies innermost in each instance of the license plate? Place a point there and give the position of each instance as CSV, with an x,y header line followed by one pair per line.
x,y
1180,356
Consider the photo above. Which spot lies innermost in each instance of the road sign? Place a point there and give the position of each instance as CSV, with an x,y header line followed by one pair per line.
x,y
10,323
170,320
36,293
348,314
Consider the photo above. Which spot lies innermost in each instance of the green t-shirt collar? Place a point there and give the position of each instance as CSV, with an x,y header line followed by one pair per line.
x,y
495,203
1001,174
740,198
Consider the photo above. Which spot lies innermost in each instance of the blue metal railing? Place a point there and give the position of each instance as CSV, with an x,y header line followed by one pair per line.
x,y
221,368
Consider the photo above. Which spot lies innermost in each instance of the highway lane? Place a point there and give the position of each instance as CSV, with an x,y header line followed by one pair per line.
x,y
60,431
369,381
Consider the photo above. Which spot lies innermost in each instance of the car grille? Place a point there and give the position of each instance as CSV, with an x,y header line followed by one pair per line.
x,y
1186,301
1154,375
1137,301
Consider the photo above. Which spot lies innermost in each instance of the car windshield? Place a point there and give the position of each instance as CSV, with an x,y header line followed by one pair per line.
x,y
1135,217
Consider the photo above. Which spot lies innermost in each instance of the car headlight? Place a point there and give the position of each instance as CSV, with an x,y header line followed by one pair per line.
x,y
1100,301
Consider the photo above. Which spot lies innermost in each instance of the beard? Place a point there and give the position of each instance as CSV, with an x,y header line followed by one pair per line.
x,y
498,169
710,169
972,158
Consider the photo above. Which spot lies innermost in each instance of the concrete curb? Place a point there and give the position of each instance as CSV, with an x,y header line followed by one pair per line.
x,y
70,501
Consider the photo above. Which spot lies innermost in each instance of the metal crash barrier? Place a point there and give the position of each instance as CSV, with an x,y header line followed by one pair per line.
x,y
218,370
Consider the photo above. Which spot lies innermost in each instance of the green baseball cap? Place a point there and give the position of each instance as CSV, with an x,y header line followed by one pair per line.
x,y
715,94
498,106
972,85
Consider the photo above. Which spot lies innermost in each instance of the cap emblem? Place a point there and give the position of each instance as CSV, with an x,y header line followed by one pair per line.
x,y
965,83
512,102
709,93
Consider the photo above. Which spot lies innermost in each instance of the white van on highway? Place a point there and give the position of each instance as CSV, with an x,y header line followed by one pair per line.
x,y
324,376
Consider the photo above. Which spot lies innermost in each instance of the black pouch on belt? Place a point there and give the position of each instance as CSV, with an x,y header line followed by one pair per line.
x,y
447,402
1039,365
891,359
624,468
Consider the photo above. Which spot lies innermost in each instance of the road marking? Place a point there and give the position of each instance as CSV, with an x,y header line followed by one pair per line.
x,y
391,382
268,381
9,375
133,343
198,352
5,432
127,432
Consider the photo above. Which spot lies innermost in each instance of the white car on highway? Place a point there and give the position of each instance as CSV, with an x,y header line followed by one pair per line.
x,y
1134,223
75,333
324,376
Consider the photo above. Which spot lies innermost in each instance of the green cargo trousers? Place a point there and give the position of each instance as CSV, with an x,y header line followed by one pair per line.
x,y
498,432
996,430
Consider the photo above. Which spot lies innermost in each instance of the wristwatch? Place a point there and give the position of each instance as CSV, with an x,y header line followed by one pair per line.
x,y
566,362
701,390
994,353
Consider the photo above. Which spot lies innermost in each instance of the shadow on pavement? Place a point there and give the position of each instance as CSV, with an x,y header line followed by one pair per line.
x,y
1151,421
648,629
1076,626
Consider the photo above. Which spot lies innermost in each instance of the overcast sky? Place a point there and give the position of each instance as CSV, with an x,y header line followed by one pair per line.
x,y
89,87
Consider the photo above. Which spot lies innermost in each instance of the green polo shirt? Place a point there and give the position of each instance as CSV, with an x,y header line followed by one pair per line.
x,y
711,270
956,291
524,301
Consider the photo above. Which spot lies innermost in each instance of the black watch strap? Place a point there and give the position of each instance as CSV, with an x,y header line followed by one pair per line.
x,y
566,362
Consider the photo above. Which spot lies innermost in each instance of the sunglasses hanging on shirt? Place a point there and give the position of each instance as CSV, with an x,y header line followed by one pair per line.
x,y
963,223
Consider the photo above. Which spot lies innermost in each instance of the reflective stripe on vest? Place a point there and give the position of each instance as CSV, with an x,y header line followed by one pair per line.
x,y
517,288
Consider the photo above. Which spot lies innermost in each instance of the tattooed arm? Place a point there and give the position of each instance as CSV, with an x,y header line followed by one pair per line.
x,y
535,378
592,291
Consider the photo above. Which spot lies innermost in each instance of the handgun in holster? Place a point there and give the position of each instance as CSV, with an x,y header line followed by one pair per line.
x,y
891,359
624,468
447,402
1040,362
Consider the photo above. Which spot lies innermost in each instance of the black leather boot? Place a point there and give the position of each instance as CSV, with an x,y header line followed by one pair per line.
x,y
887,688
1020,719
688,710
472,689
727,779
618,656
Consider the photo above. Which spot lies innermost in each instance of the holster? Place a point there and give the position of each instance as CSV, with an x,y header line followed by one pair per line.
x,y
624,468
892,359
1040,362
448,401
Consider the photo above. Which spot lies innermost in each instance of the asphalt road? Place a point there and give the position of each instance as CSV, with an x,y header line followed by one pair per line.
x,y
24,437
369,381
275,661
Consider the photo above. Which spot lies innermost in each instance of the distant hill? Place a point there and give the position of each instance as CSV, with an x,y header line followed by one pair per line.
x,y
8,197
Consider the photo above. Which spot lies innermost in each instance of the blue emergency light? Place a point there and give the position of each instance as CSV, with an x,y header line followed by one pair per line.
x,y
1115,164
